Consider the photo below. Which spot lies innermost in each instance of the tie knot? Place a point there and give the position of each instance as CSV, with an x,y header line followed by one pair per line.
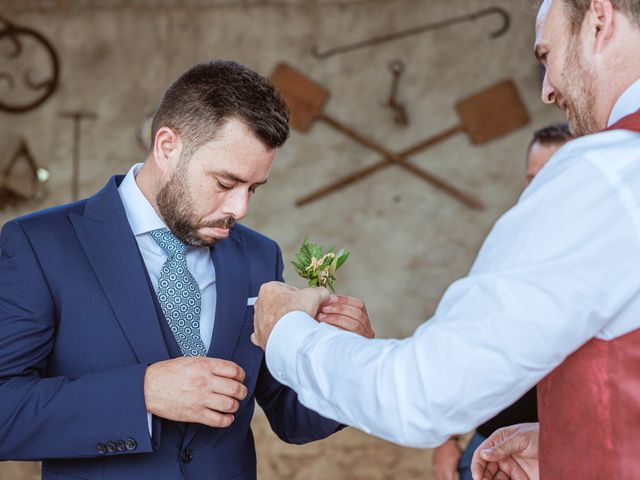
x,y
168,242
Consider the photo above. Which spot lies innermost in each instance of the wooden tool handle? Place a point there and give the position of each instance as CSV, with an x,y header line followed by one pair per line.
x,y
391,157
351,133
342,183
431,141
459,195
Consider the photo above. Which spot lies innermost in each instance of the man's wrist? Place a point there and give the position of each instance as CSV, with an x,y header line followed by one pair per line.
x,y
284,342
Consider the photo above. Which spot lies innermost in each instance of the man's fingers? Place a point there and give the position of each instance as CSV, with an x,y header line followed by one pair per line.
x,y
215,419
351,309
225,368
221,403
346,300
511,470
318,296
344,323
502,450
478,466
227,387
344,309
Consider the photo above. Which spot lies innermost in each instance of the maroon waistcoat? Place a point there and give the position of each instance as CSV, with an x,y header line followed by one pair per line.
x,y
589,406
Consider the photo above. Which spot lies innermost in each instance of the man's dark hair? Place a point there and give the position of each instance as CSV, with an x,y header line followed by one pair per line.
x,y
578,10
203,98
553,134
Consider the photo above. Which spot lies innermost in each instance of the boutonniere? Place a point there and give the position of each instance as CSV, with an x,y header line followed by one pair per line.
x,y
318,266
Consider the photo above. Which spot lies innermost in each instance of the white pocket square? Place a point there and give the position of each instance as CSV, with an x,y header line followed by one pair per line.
x,y
251,301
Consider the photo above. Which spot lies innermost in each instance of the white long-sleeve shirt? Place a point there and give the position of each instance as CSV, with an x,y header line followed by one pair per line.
x,y
561,267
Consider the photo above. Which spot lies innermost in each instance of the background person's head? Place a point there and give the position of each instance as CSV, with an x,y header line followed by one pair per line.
x,y
588,48
543,145
214,138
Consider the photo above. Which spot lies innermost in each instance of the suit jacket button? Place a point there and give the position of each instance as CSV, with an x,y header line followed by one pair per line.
x,y
111,447
130,444
101,449
186,456
120,446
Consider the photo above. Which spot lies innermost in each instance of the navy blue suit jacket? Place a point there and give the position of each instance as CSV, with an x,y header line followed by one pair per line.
x,y
78,327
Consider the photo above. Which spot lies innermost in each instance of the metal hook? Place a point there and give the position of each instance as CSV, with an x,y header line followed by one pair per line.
x,y
506,19
506,23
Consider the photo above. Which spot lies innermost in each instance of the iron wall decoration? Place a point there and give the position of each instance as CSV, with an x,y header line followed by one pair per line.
x,y
400,117
13,39
77,118
502,13
483,116
10,195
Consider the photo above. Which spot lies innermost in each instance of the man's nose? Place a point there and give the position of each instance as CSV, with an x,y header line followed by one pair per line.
x,y
548,92
237,204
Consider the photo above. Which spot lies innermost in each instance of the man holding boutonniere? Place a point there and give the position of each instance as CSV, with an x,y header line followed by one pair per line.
x,y
553,296
125,318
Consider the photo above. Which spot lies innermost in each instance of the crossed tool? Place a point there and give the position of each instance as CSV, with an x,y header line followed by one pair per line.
x,y
484,116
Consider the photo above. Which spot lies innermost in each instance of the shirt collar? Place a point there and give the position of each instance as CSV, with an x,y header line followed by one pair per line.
x,y
141,215
628,103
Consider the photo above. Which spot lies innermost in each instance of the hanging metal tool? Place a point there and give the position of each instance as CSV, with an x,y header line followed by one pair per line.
x,y
39,90
10,194
502,13
396,67
77,118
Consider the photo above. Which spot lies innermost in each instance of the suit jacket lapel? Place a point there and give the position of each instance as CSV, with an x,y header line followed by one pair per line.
x,y
112,251
232,291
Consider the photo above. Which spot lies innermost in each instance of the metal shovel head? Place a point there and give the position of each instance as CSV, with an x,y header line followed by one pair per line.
x,y
304,97
492,113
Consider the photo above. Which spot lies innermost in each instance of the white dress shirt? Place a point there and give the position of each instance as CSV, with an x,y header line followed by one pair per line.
x,y
143,219
561,267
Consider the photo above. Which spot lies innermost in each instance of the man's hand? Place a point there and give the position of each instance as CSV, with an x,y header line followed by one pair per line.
x,y
348,313
509,453
275,300
445,460
194,389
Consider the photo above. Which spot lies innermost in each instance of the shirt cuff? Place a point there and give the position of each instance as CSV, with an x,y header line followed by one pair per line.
x,y
149,422
283,345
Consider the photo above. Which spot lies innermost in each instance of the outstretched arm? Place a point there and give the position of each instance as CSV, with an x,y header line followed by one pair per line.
x,y
540,288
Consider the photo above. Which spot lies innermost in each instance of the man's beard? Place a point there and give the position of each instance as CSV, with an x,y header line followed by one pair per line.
x,y
178,212
580,95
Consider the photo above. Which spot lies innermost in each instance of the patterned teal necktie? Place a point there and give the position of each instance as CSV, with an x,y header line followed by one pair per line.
x,y
179,295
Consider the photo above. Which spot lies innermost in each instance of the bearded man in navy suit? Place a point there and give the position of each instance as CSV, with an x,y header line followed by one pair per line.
x,y
125,318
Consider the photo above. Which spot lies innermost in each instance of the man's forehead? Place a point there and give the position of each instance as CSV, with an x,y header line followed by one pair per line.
x,y
543,13
542,23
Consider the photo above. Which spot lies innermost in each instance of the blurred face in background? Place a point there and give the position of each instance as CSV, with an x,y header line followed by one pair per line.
x,y
538,156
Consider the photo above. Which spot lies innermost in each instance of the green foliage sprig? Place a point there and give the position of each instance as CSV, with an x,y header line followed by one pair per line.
x,y
318,266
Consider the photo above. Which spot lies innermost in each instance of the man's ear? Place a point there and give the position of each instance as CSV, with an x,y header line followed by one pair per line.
x,y
602,18
167,147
